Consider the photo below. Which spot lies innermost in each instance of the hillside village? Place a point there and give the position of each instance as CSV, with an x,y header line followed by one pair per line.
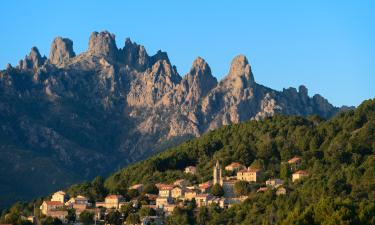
x,y
223,191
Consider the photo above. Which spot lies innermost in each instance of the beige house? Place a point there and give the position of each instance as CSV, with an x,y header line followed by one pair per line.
x,y
178,192
281,191
169,208
48,206
295,162
250,175
205,187
166,191
59,214
275,183
202,199
190,194
112,201
79,200
59,196
191,169
299,175
222,202
163,201
234,166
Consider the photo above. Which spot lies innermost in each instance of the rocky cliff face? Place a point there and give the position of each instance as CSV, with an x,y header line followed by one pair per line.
x,y
71,117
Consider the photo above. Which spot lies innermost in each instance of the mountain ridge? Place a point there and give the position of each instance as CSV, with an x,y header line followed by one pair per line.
x,y
102,109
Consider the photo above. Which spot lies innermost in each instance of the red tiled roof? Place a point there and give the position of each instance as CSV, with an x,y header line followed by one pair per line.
x,y
253,170
294,159
166,187
235,164
301,172
114,196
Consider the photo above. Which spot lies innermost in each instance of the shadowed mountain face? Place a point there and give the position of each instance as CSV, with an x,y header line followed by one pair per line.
x,y
71,117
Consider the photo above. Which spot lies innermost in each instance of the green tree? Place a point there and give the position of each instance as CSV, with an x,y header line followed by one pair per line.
x,y
71,217
133,218
113,217
133,193
86,217
241,188
145,211
284,171
217,190
51,221
150,189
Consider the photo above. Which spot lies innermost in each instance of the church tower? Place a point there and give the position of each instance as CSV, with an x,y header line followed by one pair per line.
x,y
217,174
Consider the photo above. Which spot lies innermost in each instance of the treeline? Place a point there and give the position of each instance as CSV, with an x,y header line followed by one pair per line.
x,y
338,155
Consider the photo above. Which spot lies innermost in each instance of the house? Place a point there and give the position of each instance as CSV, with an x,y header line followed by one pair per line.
x,y
61,215
112,201
275,183
221,202
59,196
205,187
191,169
79,208
166,191
178,192
295,162
152,198
181,183
169,208
190,194
48,206
80,200
138,187
163,201
202,199
234,166
299,175
281,191
262,189
250,175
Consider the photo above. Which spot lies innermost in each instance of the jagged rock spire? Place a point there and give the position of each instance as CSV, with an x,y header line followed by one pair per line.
x,y
199,81
61,50
103,44
135,55
240,68
33,60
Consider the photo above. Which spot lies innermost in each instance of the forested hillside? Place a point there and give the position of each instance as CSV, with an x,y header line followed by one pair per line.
x,y
338,155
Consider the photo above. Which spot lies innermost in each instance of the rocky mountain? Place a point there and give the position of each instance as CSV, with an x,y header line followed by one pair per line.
x,y
70,117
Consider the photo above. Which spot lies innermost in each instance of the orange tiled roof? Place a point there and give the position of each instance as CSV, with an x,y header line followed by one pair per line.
x,y
294,159
167,187
301,172
235,164
114,196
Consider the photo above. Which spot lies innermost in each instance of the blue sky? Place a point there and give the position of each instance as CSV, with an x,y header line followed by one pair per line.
x,y
329,46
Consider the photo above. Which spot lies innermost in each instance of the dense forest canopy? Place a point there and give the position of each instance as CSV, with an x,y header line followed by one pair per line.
x,y
338,155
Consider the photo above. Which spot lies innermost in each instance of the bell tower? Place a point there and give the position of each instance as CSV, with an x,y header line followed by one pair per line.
x,y
217,174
